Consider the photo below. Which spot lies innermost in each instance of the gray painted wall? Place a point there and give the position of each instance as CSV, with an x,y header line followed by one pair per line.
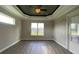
x,y
9,34
60,32
26,30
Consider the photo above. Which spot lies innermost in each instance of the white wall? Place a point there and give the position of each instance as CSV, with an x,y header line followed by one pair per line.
x,y
26,30
60,32
9,34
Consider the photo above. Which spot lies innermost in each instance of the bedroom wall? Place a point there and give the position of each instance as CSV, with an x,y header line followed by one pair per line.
x,y
60,33
9,35
26,30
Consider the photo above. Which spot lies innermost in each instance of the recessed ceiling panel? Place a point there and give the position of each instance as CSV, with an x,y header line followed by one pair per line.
x,y
38,10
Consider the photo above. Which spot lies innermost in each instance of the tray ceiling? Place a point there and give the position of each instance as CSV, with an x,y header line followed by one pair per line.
x,y
45,10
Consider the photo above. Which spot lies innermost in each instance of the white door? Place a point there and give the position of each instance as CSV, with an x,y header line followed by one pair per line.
x,y
74,34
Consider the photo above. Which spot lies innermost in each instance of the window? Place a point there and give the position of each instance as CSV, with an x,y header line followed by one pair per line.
x,y
40,29
73,28
37,29
34,29
6,19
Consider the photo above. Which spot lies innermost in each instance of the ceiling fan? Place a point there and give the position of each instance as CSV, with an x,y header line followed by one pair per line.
x,y
39,9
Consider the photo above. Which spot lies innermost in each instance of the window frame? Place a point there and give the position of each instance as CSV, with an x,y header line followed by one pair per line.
x,y
5,19
37,29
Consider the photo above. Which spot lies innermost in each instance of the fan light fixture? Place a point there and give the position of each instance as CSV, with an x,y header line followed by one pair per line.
x,y
37,10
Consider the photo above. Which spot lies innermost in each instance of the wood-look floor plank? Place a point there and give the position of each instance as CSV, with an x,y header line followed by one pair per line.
x,y
36,47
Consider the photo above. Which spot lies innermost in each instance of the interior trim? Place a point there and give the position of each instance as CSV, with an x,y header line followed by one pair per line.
x,y
5,48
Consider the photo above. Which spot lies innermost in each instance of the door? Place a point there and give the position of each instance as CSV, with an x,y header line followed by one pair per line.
x,y
74,34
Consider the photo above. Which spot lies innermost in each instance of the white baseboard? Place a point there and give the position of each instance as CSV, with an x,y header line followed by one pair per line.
x,y
61,44
72,52
9,46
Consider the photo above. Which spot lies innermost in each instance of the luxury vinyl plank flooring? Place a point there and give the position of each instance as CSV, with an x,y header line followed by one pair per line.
x,y
36,47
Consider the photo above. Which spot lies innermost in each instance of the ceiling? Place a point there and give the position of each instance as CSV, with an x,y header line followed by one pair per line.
x,y
45,10
14,11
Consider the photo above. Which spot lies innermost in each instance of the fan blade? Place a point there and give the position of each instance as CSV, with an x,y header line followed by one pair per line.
x,y
43,9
